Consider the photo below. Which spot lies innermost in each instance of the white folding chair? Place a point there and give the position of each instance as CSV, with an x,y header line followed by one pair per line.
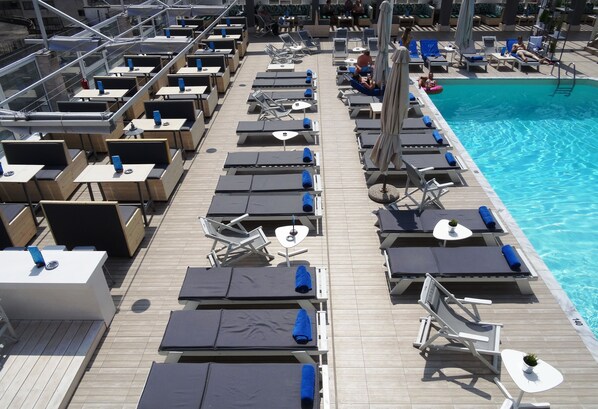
x,y
291,45
307,40
270,108
373,46
431,190
278,56
339,49
488,44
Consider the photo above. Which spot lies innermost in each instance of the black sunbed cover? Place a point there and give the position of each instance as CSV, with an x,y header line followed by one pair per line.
x,y
280,158
282,83
290,95
435,160
243,283
407,140
450,261
404,221
290,182
272,126
408,123
257,205
292,75
243,329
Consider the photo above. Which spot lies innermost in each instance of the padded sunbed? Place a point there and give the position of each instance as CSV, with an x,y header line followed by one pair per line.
x,y
242,332
292,75
251,285
265,129
284,83
438,161
414,125
289,95
214,385
475,60
288,182
394,224
466,264
519,61
359,102
272,207
410,142
279,161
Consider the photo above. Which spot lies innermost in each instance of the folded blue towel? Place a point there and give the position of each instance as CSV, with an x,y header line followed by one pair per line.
x,y
352,70
411,97
302,329
427,121
364,70
487,217
437,136
308,385
307,123
308,203
302,280
117,163
511,257
307,155
476,57
306,180
308,80
309,73
450,159
308,93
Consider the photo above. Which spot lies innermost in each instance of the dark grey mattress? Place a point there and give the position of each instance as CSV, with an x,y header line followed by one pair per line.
x,y
215,386
450,261
282,83
368,139
374,124
290,95
271,126
437,60
257,205
435,160
362,99
280,158
243,283
270,75
291,182
412,221
243,329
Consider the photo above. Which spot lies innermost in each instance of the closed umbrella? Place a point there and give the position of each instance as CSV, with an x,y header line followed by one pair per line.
x,y
464,34
394,109
384,26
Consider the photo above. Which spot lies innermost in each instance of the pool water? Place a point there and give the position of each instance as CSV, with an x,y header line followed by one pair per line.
x,y
539,151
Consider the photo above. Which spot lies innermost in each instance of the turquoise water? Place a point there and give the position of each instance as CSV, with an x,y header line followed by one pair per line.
x,y
539,152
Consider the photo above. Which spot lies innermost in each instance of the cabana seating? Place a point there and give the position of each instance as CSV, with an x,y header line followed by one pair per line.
x,y
406,265
130,83
17,226
241,44
269,161
209,99
55,180
148,61
191,132
162,180
214,60
108,226
232,56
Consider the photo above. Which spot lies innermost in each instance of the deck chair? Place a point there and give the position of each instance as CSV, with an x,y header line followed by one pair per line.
x,y
431,54
278,56
518,61
431,190
341,33
415,57
291,45
463,328
238,242
270,109
372,45
308,41
264,28
535,45
367,34
489,44
339,49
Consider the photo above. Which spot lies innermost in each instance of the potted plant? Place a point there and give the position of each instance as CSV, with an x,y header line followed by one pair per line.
x,y
551,49
529,362
452,224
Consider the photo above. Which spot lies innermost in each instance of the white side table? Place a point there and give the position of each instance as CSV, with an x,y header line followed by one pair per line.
x,y
543,378
450,50
288,241
359,49
375,109
284,136
300,106
281,67
351,61
442,231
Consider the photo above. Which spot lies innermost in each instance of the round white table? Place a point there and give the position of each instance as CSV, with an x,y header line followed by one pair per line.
x,y
350,61
543,378
288,241
359,49
284,136
300,106
450,50
442,231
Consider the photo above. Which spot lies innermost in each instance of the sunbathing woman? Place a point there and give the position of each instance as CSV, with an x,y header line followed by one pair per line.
x,y
427,82
521,51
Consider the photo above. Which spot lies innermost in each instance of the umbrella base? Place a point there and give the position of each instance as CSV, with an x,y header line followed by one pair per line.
x,y
376,193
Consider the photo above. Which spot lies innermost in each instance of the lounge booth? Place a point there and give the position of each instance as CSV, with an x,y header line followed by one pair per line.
x,y
17,226
242,44
191,132
129,83
149,61
213,60
209,99
232,56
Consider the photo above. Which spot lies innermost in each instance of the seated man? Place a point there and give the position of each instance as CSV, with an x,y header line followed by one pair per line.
x,y
364,63
520,50
427,82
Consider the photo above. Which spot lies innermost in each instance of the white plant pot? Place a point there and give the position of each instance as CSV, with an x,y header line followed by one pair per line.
x,y
527,369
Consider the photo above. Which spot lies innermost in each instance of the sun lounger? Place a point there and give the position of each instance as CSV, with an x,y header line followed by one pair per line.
x,y
359,102
285,83
253,285
272,161
213,385
410,142
519,61
285,97
394,224
465,264
431,54
286,75
415,125
245,332
288,182
438,161
475,60
307,128
272,207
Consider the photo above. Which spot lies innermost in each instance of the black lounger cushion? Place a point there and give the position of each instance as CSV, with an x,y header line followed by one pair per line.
x,y
277,183
276,205
362,99
435,160
236,159
368,140
234,183
280,158
227,205
408,123
404,221
290,95
174,386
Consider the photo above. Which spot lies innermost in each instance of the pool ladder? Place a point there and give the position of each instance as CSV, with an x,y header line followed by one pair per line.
x,y
561,88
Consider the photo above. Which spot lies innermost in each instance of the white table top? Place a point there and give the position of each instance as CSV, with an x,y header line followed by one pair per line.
x,y
449,49
94,93
281,67
359,49
106,173
543,378
17,267
376,106
300,105
204,70
22,173
216,51
189,90
172,37
139,71
497,56
442,231
351,61
231,26
171,124
192,26
228,37
288,241
284,135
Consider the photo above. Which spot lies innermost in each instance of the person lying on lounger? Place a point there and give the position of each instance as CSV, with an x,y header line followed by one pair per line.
x,y
521,51
366,82
427,82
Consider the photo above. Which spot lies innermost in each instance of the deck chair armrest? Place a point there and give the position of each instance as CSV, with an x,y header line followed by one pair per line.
x,y
426,169
281,100
443,185
473,337
478,301
238,219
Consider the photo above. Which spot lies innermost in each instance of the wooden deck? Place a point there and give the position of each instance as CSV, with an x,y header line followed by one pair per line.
x,y
372,361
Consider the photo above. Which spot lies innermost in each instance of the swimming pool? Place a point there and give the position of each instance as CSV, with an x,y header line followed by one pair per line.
x,y
539,151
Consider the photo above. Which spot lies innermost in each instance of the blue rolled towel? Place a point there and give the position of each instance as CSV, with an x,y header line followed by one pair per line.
x,y
352,70
511,257
427,121
308,93
212,45
450,159
308,80
306,123
307,155
476,58
437,136
309,73
308,203
306,180
411,97
302,280
308,385
487,217
302,329
167,33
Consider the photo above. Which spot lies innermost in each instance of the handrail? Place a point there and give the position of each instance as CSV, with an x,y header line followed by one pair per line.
x,y
574,72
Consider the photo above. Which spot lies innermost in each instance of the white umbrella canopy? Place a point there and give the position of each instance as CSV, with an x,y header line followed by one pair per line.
x,y
394,109
384,26
464,33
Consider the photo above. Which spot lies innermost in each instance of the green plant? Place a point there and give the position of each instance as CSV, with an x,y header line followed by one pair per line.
x,y
545,17
531,359
453,222
552,47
